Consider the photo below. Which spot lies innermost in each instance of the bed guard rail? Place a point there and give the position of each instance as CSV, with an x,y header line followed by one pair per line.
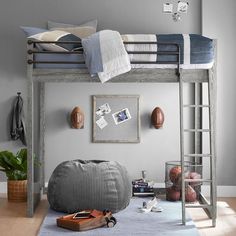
x,y
32,49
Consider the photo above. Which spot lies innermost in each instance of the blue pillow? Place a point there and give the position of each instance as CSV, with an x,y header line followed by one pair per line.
x,y
29,31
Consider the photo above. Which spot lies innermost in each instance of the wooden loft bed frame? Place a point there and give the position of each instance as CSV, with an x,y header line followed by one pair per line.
x,y
195,76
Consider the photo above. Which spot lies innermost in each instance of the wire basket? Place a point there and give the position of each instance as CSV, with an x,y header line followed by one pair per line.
x,y
173,180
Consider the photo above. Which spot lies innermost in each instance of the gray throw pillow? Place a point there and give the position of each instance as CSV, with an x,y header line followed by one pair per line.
x,y
81,31
92,24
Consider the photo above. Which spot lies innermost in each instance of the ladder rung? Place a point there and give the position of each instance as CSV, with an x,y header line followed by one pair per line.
x,y
197,206
197,130
197,180
198,155
193,106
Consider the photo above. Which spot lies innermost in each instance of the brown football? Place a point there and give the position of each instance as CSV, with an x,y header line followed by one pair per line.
x,y
77,118
157,118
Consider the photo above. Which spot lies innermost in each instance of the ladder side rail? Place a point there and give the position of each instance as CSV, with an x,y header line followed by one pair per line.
x,y
182,147
212,112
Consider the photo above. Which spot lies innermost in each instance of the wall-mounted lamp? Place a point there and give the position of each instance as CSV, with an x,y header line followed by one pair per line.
x,y
157,118
77,118
182,7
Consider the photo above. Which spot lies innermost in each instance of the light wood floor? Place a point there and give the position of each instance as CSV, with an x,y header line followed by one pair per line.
x,y
13,220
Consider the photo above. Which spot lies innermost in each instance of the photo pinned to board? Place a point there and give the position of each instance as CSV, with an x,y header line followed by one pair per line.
x,y
121,116
167,7
101,123
103,110
182,7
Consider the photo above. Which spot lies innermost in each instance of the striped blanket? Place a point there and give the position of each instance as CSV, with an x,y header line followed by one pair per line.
x,y
106,56
196,50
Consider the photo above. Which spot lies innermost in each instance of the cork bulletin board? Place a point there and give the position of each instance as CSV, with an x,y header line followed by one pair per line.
x,y
116,119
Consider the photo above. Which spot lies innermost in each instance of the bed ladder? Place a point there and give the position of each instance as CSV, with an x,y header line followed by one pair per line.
x,y
208,205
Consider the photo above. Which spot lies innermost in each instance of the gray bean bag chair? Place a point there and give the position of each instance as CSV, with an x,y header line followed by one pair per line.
x,y
78,185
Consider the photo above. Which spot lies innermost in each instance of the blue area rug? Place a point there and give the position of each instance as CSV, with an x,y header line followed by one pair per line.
x,y
130,222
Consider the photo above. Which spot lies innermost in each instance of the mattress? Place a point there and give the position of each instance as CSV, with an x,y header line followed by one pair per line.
x,y
196,52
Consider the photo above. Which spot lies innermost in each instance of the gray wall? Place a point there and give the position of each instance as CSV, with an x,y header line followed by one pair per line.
x,y
156,147
132,16
219,19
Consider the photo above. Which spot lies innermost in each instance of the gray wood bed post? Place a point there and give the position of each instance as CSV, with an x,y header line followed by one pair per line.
x,y
30,135
42,135
33,187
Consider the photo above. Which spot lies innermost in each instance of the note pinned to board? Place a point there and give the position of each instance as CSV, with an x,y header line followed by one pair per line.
x,y
101,123
167,7
103,110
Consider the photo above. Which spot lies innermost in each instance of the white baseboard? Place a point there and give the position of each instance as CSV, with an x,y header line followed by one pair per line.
x,y
222,191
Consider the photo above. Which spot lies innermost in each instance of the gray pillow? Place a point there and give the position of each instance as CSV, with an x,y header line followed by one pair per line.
x,y
79,185
92,23
81,31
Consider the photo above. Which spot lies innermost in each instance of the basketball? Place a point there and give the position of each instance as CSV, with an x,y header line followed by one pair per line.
x,y
175,174
172,194
190,194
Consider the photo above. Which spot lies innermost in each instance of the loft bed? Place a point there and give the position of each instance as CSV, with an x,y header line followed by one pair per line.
x,y
42,69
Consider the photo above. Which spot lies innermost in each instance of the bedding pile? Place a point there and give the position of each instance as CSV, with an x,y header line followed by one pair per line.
x,y
107,54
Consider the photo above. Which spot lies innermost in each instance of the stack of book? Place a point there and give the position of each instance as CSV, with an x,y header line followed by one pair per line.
x,y
142,187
